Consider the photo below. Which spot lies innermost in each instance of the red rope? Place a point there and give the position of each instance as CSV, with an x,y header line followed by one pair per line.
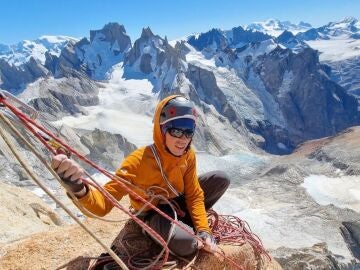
x,y
25,120
230,233
231,230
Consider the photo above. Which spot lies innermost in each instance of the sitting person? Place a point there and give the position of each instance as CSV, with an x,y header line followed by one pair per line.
x,y
168,164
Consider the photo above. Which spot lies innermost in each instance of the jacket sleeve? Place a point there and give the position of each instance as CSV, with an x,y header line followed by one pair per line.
x,y
194,196
95,202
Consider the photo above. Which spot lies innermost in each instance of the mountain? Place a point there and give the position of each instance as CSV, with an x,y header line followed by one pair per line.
x,y
275,27
280,84
342,64
217,39
255,95
153,58
21,52
94,57
270,96
288,40
346,28
105,48
214,38
338,44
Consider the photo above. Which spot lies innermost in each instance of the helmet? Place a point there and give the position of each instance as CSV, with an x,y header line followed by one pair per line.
x,y
177,108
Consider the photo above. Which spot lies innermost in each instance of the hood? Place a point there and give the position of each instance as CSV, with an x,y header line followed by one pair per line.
x,y
159,139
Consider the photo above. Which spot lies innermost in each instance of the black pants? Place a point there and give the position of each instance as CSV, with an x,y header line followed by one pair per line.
x,y
214,184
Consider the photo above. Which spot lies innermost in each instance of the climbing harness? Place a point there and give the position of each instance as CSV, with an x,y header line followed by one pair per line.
x,y
233,226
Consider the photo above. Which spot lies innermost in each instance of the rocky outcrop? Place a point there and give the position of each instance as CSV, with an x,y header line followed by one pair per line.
x,y
14,79
58,97
347,74
316,257
207,90
288,40
344,65
71,246
241,36
217,40
293,90
68,59
22,213
305,95
307,82
351,233
115,34
157,60
106,149
213,39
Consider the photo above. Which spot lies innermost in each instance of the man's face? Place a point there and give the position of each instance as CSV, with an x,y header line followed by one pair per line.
x,y
177,146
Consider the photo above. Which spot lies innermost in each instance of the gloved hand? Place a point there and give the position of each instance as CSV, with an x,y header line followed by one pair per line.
x,y
69,172
209,243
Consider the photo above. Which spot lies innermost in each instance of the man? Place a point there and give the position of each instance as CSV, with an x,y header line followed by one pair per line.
x,y
169,165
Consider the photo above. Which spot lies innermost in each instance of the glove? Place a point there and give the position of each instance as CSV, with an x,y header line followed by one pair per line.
x,y
70,173
209,243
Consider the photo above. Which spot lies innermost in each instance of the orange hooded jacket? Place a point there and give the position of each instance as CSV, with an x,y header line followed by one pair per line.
x,y
140,168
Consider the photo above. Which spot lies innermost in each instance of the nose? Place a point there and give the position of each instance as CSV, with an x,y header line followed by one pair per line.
x,y
183,137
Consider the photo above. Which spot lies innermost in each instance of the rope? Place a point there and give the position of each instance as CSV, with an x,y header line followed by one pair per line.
x,y
122,182
132,261
151,232
157,158
231,230
31,175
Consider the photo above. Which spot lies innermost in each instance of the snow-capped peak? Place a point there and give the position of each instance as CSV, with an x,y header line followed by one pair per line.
x,y
275,27
55,39
20,53
346,27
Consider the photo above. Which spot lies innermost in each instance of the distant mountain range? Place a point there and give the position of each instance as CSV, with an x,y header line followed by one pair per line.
x,y
21,52
273,90
347,28
275,27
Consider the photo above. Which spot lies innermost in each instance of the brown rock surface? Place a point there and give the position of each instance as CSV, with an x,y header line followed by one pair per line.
x,y
71,245
23,213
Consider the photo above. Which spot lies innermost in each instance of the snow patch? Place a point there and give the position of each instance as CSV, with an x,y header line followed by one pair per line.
x,y
286,84
337,49
343,192
125,108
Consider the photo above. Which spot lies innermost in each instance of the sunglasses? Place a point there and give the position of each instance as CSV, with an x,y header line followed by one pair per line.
x,y
178,133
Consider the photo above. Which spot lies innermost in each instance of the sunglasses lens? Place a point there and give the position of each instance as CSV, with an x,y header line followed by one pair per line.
x,y
178,133
175,132
189,133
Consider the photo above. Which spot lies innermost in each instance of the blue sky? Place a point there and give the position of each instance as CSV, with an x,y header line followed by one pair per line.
x,y
25,19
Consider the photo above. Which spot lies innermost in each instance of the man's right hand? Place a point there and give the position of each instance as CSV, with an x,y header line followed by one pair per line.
x,y
70,173
209,243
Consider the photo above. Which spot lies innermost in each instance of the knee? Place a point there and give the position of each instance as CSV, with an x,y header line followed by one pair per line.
x,y
183,247
183,243
222,179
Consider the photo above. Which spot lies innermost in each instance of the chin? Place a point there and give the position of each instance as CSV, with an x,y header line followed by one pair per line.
x,y
178,153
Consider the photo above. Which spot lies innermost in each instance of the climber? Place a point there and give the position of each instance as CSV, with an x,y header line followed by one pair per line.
x,y
167,167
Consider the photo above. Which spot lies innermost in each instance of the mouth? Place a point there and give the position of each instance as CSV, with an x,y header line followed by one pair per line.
x,y
180,147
